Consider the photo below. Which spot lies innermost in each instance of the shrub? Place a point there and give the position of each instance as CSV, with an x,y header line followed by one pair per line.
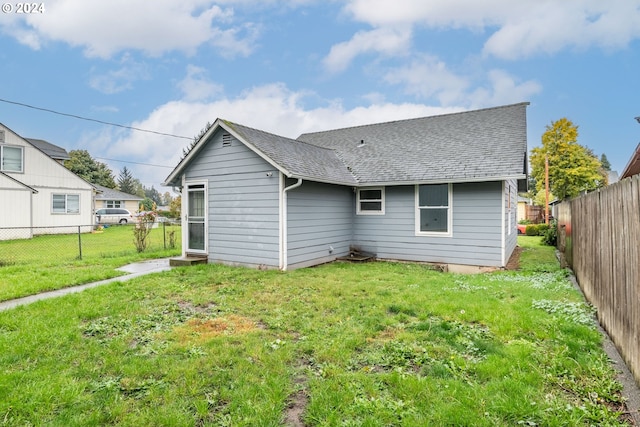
x,y
550,236
531,230
536,229
524,221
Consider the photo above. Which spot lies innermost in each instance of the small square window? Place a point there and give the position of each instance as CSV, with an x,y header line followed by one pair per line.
x,y
370,201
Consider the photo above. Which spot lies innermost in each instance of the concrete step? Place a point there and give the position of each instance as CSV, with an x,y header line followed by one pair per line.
x,y
187,261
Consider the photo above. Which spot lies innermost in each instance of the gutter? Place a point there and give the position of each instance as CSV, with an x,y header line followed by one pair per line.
x,y
283,220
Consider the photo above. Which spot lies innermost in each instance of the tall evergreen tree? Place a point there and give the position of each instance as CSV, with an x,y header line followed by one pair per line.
x,y
605,162
125,181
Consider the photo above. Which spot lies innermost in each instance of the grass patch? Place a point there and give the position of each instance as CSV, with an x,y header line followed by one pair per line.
x,y
51,262
376,344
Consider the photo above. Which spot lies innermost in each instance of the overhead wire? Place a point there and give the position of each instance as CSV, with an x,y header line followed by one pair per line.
x,y
75,116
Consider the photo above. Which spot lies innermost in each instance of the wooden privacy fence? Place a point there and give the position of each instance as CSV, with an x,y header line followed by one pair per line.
x,y
599,234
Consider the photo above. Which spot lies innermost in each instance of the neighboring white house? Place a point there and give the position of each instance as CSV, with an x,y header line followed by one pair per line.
x,y
111,198
38,194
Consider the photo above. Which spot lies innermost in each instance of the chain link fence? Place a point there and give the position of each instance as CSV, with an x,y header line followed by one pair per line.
x,y
24,245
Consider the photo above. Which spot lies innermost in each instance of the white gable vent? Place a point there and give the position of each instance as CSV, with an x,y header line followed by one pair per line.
x,y
1,136
226,140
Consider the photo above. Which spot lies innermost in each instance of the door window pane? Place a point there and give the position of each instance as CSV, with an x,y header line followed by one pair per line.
x,y
196,203
196,235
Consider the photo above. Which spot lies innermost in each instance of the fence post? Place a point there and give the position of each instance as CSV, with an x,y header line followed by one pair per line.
x,y
79,243
164,234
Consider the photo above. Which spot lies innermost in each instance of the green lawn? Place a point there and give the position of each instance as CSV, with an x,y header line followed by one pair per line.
x,y
377,344
51,262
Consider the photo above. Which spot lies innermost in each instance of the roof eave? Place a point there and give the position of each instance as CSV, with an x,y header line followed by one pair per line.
x,y
441,181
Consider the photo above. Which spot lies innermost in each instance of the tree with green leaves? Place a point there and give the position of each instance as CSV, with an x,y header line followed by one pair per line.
x,y
572,167
126,183
86,167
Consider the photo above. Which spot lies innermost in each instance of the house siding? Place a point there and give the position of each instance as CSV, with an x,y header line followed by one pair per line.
x,y
243,203
476,228
320,223
511,217
17,200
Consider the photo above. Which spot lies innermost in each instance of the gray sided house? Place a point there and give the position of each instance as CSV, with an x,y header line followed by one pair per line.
x,y
439,189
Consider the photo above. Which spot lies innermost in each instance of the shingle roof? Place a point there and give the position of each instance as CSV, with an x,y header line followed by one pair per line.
x,y
487,144
111,194
51,150
298,158
473,145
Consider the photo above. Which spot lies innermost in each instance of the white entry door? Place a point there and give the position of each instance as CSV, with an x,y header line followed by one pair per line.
x,y
197,218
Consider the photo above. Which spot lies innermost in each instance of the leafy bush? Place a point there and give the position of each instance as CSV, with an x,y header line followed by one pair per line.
x,y
524,221
550,236
536,229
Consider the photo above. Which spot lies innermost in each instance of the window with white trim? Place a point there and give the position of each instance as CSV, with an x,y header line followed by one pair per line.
x,y
11,158
65,203
114,204
370,201
433,209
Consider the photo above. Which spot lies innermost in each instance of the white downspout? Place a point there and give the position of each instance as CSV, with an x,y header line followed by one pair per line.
x,y
283,221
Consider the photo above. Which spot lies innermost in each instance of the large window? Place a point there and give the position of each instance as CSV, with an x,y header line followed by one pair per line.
x,y
10,158
370,201
65,204
433,209
114,204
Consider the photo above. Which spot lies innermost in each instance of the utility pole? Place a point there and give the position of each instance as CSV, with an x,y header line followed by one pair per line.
x,y
546,189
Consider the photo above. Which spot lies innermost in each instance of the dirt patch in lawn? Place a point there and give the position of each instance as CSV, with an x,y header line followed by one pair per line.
x,y
298,401
205,329
514,260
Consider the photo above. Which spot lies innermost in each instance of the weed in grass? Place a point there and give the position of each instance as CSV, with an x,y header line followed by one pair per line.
x,y
577,312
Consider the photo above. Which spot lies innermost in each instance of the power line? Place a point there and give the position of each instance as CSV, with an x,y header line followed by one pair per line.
x,y
135,163
94,120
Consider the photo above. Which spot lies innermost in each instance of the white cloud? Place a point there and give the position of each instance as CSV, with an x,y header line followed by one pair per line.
x,y
514,29
427,77
120,79
503,89
195,86
272,108
104,28
386,41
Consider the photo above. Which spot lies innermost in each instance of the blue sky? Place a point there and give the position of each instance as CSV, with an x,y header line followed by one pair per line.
x,y
297,66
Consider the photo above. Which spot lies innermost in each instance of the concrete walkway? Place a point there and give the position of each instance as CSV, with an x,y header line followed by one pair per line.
x,y
134,270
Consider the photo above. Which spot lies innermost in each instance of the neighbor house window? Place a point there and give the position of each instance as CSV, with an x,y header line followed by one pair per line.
x,y
66,204
433,209
113,204
370,201
10,158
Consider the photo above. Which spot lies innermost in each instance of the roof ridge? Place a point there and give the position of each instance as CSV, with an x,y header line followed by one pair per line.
x,y
232,124
417,118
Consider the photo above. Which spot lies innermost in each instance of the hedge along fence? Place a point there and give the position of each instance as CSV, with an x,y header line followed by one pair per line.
x,y
599,235
536,229
61,244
